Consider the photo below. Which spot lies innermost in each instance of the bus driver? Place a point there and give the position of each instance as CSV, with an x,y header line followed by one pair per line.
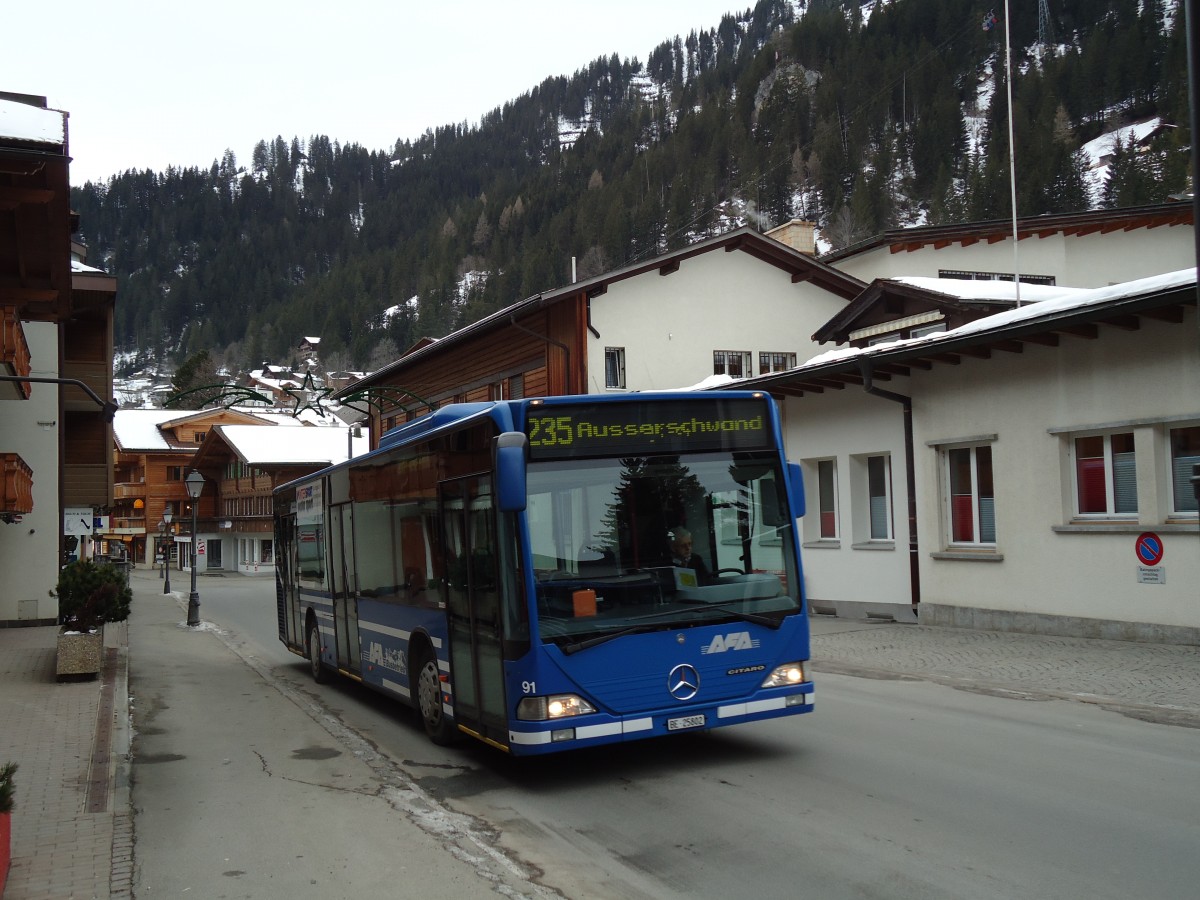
x,y
682,555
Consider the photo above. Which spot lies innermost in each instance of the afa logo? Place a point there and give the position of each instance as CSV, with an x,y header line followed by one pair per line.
x,y
386,658
737,640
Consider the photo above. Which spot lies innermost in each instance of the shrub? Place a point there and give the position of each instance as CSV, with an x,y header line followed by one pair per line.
x,y
90,594
6,787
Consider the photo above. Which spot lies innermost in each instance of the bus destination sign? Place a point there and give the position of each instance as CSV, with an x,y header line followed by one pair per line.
x,y
631,429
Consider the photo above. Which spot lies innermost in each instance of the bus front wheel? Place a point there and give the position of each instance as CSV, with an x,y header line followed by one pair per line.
x,y
320,676
429,700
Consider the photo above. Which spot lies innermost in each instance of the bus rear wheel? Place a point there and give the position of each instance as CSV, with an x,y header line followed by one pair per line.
x,y
429,700
319,674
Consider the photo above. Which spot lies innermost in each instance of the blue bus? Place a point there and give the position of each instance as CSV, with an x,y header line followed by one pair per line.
x,y
518,571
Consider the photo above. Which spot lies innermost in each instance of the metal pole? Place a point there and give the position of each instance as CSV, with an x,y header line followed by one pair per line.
x,y
193,617
1012,152
167,537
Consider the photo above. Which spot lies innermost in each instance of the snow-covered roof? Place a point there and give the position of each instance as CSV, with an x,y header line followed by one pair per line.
x,y
1068,301
138,429
258,446
980,289
22,122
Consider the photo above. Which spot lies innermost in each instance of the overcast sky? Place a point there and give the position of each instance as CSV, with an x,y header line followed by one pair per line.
x,y
153,84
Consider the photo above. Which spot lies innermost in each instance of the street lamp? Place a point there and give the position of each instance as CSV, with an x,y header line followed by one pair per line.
x,y
166,527
195,485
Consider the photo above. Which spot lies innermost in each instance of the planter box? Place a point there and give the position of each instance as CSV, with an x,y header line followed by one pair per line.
x,y
5,848
80,654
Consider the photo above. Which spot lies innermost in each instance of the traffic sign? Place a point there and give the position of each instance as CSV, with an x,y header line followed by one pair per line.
x,y
1149,548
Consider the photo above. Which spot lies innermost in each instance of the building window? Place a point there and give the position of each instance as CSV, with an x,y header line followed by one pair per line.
x,y
995,276
827,497
614,367
174,473
972,498
1185,454
1105,475
516,387
923,330
775,362
879,493
734,363
198,437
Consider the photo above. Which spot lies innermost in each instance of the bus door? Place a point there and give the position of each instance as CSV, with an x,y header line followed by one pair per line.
x,y
473,607
343,585
285,582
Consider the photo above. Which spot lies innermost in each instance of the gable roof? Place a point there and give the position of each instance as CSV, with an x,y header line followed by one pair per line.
x,y
801,267
1077,313
143,429
268,447
1103,221
889,304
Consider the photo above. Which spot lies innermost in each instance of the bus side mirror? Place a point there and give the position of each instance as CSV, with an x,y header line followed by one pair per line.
x,y
796,486
508,450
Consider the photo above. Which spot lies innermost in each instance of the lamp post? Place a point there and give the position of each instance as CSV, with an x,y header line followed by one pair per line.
x,y
167,550
195,485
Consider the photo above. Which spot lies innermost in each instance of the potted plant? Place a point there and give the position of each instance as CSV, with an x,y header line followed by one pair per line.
x,y
89,594
6,805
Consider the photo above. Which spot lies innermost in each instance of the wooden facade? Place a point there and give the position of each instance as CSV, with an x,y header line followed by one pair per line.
x,y
149,479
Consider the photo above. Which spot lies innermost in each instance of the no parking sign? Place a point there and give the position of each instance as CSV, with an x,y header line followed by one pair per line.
x,y
1149,550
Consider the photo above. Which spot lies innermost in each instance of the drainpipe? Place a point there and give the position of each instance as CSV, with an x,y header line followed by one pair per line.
x,y
512,320
914,570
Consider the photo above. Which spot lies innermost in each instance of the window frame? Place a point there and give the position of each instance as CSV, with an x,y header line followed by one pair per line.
x,y
767,360
1109,463
950,518
616,371
827,492
889,518
1188,512
723,358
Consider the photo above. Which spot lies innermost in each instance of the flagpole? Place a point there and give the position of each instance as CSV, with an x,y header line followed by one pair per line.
x,y
1012,157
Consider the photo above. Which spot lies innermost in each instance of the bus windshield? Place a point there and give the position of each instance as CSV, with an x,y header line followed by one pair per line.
x,y
665,541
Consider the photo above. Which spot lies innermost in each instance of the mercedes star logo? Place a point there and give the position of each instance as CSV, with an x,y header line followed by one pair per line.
x,y
683,682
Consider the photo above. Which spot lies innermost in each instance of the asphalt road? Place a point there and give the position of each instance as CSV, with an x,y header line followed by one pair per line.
x,y
891,789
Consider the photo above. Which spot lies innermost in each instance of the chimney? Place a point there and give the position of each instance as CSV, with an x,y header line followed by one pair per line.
x,y
797,234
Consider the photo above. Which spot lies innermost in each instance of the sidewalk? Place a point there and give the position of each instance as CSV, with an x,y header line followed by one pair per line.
x,y
72,833
231,771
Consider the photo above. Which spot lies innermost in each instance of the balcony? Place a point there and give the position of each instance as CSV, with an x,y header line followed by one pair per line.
x,y
127,524
129,490
16,485
14,355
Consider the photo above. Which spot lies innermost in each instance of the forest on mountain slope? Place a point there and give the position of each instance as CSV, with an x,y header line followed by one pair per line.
x,y
858,116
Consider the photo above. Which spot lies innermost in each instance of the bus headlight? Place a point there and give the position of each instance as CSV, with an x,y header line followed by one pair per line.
x,y
786,675
556,706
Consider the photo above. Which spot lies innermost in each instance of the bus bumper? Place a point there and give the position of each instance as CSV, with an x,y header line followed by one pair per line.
x,y
529,738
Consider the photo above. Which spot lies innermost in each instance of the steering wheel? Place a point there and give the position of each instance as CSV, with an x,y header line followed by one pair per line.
x,y
732,571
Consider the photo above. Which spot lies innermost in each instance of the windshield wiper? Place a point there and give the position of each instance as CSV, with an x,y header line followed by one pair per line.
x,y
774,624
575,647
644,626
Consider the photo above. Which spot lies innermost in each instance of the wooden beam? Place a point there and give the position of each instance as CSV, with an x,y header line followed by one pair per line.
x,y
1172,314
12,196
1010,346
1049,339
1084,330
952,359
1125,323
669,268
